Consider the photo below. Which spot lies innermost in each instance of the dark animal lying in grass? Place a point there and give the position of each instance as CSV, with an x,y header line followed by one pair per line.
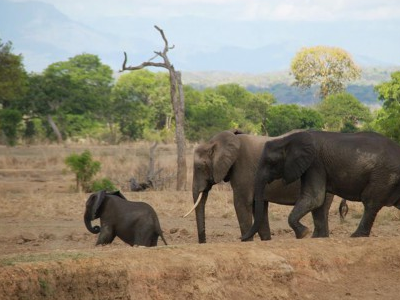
x,y
136,223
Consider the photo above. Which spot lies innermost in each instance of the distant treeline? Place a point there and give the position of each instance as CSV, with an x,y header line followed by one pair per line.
x,y
288,94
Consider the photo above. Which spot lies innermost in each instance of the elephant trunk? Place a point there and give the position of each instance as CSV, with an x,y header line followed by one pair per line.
x,y
200,216
88,223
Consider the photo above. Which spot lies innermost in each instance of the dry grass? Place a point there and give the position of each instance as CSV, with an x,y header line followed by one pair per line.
x,y
36,185
118,163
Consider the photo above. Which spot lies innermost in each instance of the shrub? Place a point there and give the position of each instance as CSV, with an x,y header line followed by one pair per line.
x,y
84,168
102,184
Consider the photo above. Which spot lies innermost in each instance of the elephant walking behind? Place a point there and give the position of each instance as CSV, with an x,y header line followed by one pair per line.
x,y
233,156
356,166
136,223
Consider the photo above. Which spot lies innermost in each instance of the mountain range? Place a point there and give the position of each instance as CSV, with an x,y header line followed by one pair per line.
x,y
43,35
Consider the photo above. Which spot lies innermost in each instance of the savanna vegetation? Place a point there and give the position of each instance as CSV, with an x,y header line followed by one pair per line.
x,y
81,98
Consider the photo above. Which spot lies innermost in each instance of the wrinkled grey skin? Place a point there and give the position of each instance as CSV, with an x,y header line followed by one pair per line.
x,y
233,156
356,166
136,223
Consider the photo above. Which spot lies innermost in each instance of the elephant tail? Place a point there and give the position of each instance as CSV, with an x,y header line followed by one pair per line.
x,y
258,219
163,239
343,209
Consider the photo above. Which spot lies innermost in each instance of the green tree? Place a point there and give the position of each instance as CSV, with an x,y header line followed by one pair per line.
x,y
343,112
328,67
207,112
285,117
236,95
9,120
140,101
88,84
257,109
12,75
389,92
388,118
248,110
79,86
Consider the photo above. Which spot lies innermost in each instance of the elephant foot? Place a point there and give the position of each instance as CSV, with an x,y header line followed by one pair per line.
x,y
265,235
301,232
320,234
359,234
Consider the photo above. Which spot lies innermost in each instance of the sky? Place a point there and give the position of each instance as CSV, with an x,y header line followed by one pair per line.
x,y
224,34
289,10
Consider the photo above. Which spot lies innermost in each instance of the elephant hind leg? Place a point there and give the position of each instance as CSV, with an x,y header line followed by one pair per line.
x,y
320,217
264,232
367,220
244,211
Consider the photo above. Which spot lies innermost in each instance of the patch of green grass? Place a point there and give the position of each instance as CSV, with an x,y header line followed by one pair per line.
x,y
29,258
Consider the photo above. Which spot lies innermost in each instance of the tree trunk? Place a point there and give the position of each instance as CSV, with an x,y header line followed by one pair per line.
x,y
179,128
178,105
55,129
180,135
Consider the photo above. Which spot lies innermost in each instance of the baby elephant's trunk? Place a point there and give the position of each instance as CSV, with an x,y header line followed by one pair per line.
x,y
88,223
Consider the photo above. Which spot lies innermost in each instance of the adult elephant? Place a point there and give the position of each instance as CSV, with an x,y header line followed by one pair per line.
x,y
356,166
233,156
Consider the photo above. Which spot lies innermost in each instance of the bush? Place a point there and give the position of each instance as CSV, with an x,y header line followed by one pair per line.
x,y
102,184
84,168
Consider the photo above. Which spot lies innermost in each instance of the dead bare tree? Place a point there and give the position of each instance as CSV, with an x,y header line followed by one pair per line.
x,y
177,101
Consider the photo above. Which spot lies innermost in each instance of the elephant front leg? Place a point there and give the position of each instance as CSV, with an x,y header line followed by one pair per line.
x,y
244,212
367,220
312,198
106,236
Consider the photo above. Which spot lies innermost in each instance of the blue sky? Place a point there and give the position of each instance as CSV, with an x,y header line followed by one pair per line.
x,y
226,35
289,10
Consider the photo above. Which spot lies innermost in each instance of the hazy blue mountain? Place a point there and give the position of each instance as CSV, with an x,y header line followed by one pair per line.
x,y
44,35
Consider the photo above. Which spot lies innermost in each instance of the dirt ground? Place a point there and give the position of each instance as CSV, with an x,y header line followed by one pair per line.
x,y
47,253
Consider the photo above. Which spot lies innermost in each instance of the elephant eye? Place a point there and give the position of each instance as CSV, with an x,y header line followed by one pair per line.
x,y
271,161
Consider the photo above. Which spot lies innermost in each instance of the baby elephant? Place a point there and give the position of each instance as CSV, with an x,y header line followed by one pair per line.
x,y
136,223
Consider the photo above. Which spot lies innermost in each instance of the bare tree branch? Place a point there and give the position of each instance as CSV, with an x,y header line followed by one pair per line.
x,y
148,63
177,101
166,48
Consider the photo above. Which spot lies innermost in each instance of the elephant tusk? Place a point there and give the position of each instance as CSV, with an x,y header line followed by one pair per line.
x,y
194,207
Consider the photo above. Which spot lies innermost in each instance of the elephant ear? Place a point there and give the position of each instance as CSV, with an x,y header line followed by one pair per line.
x,y
224,152
300,152
118,194
95,201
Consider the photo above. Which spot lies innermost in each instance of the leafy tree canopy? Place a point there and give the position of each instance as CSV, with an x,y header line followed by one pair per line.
x,y
328,67
389,92
12,75
388,118
343,111
9,120
141,101
285,117
207,112
80,85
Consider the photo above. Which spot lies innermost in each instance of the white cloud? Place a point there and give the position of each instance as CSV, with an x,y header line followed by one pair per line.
x,y
322,10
